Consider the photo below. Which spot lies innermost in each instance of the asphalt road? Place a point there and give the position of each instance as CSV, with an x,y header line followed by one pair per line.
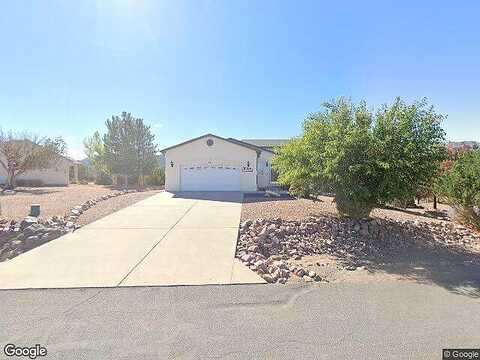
x,y
391,320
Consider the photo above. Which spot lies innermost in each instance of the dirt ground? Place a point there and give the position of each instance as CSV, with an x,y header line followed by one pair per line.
x,y
457,272
330,270
112,205
53,200
59,200
298,209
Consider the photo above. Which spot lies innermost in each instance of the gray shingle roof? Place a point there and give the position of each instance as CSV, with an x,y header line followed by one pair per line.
x,y
266,142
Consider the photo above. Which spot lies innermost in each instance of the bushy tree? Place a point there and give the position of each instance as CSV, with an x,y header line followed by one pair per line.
x,y
21,152
95,151
411,145
364,159
129,148
460,186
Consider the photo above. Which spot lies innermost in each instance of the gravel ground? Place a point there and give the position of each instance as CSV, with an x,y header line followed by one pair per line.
x,y
293,209
53,200
112,205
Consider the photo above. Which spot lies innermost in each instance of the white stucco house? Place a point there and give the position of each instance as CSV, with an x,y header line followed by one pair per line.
x,y
57,175
214,163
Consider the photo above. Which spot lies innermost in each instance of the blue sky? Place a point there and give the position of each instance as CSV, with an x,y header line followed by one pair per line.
x,y
246,69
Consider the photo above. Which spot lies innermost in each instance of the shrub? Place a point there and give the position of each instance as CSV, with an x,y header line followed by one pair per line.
x,y
411,149
364,159
103,179
157,177
460,186
30,183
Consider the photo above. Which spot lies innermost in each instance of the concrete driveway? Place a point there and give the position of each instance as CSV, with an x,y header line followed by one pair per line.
x,y
166,239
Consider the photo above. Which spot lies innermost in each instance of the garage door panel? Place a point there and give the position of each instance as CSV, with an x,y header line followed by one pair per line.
x,y
210,178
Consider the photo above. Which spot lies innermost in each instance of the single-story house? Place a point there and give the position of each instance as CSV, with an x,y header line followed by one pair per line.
x,y
57,175
214,163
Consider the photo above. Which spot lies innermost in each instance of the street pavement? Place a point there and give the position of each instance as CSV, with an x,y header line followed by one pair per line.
x,y
385,320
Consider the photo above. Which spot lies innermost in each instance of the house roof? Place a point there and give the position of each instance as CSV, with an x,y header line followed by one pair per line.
x,y
266,142
233,141
239,142
31,143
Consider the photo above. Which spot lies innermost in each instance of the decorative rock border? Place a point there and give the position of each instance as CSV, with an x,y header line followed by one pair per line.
x,y
268,246
17,237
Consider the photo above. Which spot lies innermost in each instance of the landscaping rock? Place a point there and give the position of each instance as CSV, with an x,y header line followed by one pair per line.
x,y
29,220
279,241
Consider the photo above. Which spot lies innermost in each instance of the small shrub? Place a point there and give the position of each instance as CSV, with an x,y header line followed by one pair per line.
x,y
103,179
460,186
352,208
29,183
156,178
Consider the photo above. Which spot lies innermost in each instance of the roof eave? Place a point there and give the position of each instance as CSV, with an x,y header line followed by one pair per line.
x,y
239,143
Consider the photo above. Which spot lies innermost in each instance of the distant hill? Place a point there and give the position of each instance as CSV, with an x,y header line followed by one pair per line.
x,y
459,144
85,162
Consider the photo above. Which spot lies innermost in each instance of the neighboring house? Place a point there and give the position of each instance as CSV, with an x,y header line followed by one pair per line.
x,y
463,144
213,163
57,174
269,144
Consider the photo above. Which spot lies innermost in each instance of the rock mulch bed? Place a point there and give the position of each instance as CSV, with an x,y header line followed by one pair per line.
x,y
17,237
268,246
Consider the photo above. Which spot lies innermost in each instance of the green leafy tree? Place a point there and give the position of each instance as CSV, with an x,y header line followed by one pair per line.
x,y
129,147
412,147
361,157
20,153
460,186
95,151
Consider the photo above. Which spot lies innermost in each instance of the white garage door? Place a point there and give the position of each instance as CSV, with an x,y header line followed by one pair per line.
x,y
210,178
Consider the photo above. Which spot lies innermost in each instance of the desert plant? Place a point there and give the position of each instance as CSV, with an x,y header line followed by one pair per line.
x,y
334,154
157,177
460,186
411,146
102,178
364,159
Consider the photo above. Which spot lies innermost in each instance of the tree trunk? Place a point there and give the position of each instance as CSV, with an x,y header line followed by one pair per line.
x,y
11,181
434,202
126,181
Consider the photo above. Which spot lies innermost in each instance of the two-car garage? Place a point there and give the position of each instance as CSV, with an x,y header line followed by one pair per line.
x,y
210,178
212,163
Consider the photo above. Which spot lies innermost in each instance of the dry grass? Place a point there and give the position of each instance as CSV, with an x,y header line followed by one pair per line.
x,y
298,209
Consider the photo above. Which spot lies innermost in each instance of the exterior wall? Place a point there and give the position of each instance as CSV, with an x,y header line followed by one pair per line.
x,y
264,170
220,153
56,175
